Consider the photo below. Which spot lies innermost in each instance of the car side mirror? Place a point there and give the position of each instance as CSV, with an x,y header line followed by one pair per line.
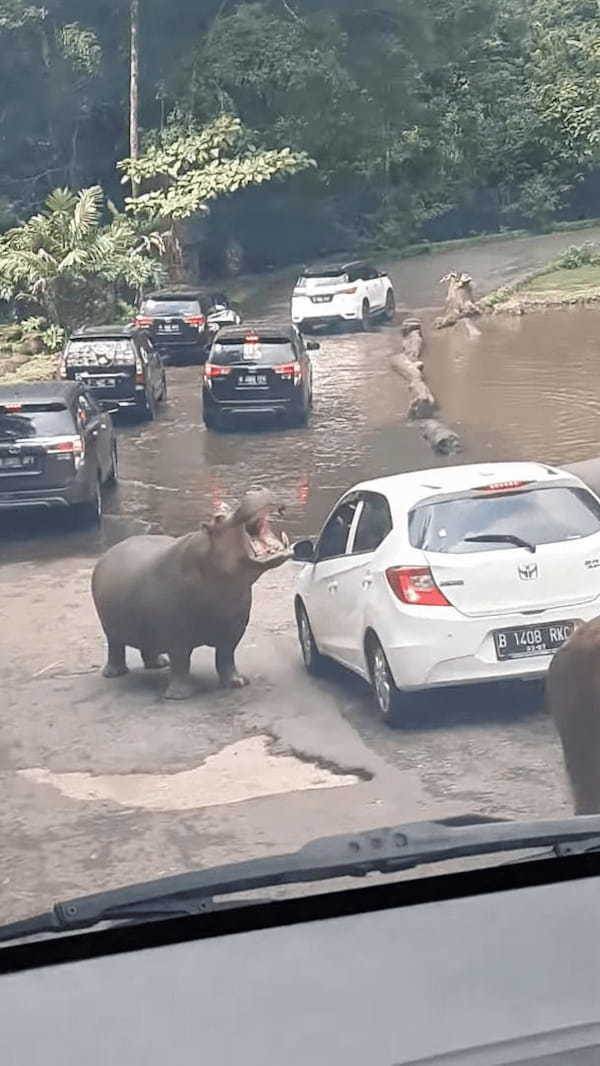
x,y
304,551
312,346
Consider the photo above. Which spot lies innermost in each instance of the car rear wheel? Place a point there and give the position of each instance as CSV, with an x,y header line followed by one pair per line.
x,y
314,662
390,306
211,420
113,473
391,701
365,316
163,391
149,408
90,512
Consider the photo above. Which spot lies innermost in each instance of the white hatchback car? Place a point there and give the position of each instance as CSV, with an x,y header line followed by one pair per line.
x,y
443,577
342,292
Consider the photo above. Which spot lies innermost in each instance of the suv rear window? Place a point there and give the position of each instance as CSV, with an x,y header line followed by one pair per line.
x,y
274,352
97,352
540,516
34,420
171,307
326,278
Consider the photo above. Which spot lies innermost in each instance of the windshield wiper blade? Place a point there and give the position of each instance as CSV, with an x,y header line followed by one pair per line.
x,y
502,538
386,850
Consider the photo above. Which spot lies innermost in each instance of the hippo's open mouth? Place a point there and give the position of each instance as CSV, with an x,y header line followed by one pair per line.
x,y
262,538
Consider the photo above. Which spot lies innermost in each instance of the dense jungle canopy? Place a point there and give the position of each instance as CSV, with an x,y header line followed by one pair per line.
x,y
435,118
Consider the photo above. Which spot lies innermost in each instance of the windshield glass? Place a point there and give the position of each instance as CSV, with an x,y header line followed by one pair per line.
x,y
266,352
542,516
171,307
93,352
324,279
34,421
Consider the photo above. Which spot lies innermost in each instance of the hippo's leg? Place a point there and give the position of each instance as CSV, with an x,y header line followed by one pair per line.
x,y
180,686
116,665
226,668
152,661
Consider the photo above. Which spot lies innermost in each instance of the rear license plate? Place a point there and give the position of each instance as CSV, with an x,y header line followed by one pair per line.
x,y
252,379
96,383
16,462
321,299
523,643
168,327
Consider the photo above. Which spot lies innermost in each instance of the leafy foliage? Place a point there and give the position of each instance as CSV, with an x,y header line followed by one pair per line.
x,y
65,260
190,166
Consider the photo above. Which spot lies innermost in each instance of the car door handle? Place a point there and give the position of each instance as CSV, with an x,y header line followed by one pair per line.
x,y
95,432
332,587
367,581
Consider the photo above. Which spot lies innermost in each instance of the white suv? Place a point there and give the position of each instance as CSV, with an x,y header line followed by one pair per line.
x,y
443,577
342,292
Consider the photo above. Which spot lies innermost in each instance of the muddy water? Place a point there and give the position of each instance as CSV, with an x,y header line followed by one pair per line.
x,y
514,388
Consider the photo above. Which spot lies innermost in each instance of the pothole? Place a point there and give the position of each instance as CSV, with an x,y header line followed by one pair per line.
x,y
242,771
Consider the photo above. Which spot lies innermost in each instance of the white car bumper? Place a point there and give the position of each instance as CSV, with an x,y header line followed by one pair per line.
x,y
340,307
435,652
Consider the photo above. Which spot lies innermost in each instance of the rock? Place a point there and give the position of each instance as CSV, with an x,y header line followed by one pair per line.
x,y
32,344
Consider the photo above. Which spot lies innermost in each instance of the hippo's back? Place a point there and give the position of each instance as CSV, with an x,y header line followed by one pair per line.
x,y
119,573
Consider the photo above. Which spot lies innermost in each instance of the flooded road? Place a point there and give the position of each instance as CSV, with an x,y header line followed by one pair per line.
x,y
520,388
102,784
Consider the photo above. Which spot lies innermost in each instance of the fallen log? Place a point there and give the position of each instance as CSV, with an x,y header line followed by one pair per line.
x,y
442,439
412,340
422,402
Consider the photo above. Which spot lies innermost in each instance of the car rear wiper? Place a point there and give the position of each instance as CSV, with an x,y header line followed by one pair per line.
x,y
502,538
386,851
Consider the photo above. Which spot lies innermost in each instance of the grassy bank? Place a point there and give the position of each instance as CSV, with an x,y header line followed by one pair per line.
x,y
562,283
23,356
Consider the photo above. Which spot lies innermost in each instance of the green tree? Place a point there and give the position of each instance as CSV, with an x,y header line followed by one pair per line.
x,y
70,264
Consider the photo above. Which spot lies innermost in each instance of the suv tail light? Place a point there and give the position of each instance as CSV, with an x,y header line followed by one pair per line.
x,y
347,292
62,366
139,370
143,321
195,320
289,370
415,585
68,446
212,370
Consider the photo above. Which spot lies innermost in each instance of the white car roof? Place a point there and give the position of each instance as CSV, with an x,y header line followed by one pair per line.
x,y
405,490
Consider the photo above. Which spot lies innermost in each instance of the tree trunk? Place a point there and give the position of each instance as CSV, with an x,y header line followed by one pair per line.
x,y
134,80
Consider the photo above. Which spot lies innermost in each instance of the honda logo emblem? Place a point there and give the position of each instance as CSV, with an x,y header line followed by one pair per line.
x,y
528,571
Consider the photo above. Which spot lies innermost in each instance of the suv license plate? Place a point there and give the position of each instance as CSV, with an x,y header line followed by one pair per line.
x,y
525,642
94,382
321,299
252,379
169,327
16,462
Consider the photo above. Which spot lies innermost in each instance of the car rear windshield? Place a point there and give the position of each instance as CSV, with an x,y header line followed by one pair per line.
x,y
267,352
326,278
171,307
100,352
34,420
539,516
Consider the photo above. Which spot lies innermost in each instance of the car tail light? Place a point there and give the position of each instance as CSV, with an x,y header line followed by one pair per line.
x,y
415,585
68,446
143,321
139,370
502,486
62,366
195,320
212,370
347,292
289,370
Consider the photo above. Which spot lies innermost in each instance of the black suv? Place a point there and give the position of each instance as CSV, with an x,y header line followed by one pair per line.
x,y
120,366
177,321
57,448
256,370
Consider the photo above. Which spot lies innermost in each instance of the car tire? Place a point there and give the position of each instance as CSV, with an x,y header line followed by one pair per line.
x,y
315,663
390,306
300,417
89,513
113,473
149,408
391,702
211,420
163,392
365,317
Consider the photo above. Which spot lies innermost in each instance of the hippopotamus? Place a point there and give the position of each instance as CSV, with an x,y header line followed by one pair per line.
x,y
170,595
